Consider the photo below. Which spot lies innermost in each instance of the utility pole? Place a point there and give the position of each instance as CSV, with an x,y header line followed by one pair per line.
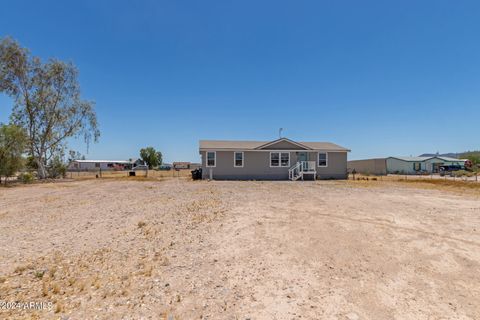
x,y
280,133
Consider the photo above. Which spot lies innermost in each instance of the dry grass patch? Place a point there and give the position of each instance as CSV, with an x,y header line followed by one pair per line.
x,y
457,187
74,279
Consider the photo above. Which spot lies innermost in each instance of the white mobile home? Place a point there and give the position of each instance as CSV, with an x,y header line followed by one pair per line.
x,y
417,165
85,165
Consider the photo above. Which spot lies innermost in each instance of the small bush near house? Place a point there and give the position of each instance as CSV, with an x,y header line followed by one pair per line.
x,y
26,177
463,173
57,169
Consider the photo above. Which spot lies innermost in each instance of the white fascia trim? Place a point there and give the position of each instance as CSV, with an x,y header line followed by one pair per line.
x,y
271,150
283,139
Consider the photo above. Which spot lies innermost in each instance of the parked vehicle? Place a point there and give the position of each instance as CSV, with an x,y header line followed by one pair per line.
x,y
447,169
165,167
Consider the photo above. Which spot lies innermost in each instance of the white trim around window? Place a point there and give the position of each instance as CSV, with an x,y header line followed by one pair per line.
x,y
279,159
235,159
214,159
326,159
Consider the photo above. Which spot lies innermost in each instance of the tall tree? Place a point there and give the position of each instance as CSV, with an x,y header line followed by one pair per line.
x,y
47,102
12,146
151,157
74,155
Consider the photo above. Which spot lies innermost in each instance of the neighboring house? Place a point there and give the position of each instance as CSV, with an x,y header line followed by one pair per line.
x,y
85,165
181,165
194,165
138,163
414,165
376,166
280,159
98,164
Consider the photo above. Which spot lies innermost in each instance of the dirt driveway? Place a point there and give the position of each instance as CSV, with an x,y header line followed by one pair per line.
x,y
177,249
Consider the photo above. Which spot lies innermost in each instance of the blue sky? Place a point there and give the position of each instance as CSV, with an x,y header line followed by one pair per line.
x,y
379,77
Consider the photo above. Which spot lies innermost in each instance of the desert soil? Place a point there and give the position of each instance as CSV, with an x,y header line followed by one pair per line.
x,y
177,249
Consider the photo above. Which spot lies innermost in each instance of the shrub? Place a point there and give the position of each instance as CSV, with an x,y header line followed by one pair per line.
x,y
26,177
57,168
462,173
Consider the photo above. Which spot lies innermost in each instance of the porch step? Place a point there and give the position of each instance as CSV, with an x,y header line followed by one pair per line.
x,y
298,170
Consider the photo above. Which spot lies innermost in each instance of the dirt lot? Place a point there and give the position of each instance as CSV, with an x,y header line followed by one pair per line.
x,y
177,249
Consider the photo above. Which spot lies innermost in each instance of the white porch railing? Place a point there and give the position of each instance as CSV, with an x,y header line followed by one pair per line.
x,y
300,168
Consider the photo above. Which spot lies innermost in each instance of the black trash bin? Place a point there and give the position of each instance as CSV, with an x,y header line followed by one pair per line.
x,y
197,174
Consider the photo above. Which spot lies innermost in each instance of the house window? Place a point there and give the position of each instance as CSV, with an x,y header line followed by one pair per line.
x,y
211,159
279,159
238,159
322,159
97,165
285,159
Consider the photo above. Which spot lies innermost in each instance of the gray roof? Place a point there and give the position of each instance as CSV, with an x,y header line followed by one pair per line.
x,y
416,159
252,145
448,158
102,161
420,159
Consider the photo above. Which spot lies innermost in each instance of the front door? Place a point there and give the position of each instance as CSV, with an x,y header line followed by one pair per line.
x,y
302,156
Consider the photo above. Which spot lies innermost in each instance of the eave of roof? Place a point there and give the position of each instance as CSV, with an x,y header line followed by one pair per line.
x,y
411,159
421,159
102,161
230,145
283,139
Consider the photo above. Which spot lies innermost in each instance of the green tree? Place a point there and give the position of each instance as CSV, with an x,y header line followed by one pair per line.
x,y
56,167
47,102
12,147
74,155
152,157
474,159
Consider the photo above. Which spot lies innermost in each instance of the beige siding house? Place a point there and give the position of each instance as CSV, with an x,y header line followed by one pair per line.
x,y
376,166
280,159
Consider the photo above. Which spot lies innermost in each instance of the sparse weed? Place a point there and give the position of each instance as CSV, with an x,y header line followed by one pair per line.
x,y
39,274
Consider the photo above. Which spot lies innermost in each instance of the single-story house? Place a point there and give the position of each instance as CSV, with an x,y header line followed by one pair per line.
x,y
181,165
415,165
377,166
85,165
195,165
279,159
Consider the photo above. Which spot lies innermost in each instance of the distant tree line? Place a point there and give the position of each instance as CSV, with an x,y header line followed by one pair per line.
x,y
47,111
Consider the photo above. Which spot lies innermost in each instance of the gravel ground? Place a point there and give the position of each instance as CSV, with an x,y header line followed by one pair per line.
x,y
119,249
